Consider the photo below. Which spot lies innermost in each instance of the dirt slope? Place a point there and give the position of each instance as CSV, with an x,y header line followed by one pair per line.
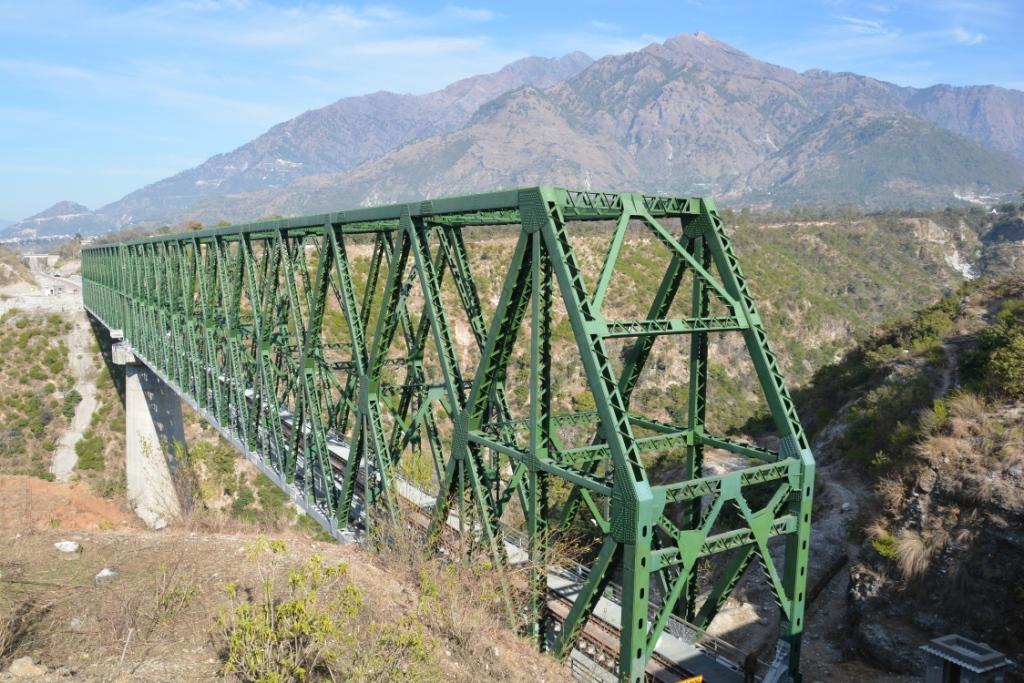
x,y
155,620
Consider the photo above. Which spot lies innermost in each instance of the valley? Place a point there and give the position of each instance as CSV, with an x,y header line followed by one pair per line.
x,y
528,342
894,388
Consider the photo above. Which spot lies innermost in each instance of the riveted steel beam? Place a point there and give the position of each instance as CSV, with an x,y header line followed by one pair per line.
x,y
328,348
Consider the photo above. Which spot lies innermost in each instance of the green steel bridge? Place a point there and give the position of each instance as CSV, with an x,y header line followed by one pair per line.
x,y
327,349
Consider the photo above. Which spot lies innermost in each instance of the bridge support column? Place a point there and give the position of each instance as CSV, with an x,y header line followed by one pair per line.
x,y
153,425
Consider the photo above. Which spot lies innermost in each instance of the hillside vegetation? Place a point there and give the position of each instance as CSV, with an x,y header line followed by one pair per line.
x,y
38,397
930,413
822,280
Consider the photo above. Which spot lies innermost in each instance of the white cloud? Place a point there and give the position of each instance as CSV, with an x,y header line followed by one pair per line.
x,y
976,9
858,25
471,13
964,37
897,48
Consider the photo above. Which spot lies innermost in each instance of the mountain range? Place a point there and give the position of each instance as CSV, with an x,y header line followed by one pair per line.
x,y
691,115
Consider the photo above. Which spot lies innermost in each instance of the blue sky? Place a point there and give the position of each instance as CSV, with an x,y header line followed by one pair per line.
x,y
100,98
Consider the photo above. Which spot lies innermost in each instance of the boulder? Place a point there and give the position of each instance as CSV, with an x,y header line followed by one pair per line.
x,y
68,546
24,667
104,575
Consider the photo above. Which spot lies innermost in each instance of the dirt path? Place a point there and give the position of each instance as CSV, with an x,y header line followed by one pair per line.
x,y
949,379
65,458
66,296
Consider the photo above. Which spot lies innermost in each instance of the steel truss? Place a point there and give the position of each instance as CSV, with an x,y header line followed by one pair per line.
x,y
235,318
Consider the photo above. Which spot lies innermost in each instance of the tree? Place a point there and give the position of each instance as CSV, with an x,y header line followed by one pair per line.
x,y
1006,367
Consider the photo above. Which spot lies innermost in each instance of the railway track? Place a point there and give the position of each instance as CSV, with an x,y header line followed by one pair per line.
x,y
598,640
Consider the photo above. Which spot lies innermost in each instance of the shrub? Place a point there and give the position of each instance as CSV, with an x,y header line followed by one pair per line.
x,y
272,499
217,459
583,401
417,467
886,545
290,638
244,498
90,452
1006,366
71,401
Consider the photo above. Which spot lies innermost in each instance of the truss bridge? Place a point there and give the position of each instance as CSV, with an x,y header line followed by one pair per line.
x,y
515,368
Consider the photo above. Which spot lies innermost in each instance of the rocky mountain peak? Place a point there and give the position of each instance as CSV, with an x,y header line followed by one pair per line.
x,y
702,49
62,208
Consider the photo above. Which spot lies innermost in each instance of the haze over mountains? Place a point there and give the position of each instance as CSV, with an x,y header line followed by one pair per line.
x,y
691,115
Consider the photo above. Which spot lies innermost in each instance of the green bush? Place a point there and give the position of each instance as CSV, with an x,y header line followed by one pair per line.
x,y
294,637
313,626
272,499
1006,366
90,452
997,365
583,401
71,401
886,545
243,499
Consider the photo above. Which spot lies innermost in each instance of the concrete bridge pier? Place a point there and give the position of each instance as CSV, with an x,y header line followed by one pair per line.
x,y
153,427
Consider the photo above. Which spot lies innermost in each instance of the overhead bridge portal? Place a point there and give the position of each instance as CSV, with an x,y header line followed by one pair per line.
x,y
354,358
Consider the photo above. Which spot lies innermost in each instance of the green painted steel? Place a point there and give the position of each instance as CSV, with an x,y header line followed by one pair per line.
x,y
326,348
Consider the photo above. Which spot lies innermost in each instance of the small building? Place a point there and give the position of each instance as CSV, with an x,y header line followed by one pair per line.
x,y
955,659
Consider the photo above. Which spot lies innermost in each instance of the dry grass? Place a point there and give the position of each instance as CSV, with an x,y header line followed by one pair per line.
x,y
472,588
969,406
965,535
160,610
943,449
914,552
893,493
876,530
19,625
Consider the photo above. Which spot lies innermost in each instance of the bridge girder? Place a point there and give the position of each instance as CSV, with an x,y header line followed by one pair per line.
x,y
256,321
